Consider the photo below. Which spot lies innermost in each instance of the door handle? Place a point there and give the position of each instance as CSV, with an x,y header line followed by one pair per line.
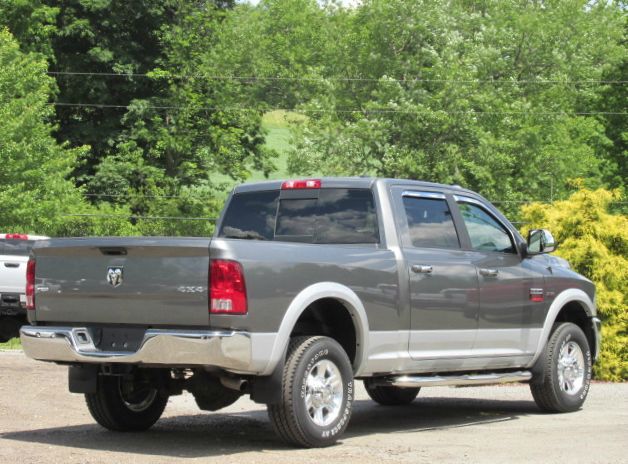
x,y
489,272
11,264
421,269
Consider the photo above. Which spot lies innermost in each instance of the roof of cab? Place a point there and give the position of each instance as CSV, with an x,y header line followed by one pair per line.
x,y
352,182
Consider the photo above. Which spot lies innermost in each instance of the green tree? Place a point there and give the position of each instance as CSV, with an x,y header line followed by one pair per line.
x,y
35,193
595,243
489,95
32,23
104,36
177,145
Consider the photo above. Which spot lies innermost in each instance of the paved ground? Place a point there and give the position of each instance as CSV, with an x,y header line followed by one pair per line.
x,y
41,422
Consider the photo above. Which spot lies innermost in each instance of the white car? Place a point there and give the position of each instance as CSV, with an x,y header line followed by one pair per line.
x,y
14,252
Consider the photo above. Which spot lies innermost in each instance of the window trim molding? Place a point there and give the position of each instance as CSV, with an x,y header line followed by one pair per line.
x,y
417,194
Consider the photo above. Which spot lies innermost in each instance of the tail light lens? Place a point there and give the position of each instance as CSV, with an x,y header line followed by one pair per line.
x,y
30,284
227,288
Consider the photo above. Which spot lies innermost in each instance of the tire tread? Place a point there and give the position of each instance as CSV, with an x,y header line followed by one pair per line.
x,y
102,407
281,415
544,393
391,396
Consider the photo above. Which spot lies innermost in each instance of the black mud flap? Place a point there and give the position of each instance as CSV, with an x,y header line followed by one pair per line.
x,y
83,378
267,389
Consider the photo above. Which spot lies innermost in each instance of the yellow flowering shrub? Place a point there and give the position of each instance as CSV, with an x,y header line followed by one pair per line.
x,y
595,242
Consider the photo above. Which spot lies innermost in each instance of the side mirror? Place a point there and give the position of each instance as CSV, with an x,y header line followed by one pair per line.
x,y
540,241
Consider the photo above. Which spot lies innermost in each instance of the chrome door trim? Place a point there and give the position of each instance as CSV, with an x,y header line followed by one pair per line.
x,y
419,194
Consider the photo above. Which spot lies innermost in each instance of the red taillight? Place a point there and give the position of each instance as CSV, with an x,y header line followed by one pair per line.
x,y
227,289
30,284
16,237
301,184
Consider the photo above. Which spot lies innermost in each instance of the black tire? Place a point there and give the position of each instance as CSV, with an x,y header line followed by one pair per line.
x,y
10,327
389,395
137,412
550,394
291,418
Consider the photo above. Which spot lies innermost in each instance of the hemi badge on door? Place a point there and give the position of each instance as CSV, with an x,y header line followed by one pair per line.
x,y
537,295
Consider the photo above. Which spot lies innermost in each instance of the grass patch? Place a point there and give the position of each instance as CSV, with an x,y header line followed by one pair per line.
x,y
13,344
280,119
277,127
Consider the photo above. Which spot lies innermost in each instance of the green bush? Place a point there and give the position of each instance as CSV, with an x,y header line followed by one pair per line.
x,y
595,242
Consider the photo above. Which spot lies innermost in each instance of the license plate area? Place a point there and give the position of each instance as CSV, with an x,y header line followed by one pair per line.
x,y
10,300
118,338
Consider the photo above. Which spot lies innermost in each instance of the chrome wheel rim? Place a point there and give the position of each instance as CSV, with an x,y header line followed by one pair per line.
x,y
138,401
570,368
323,393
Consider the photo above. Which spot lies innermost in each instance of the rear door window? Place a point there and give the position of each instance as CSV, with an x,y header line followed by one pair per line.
x,y
430,224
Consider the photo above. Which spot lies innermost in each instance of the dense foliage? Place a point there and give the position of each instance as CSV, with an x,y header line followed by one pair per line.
x,y
137,117
595,243
37,194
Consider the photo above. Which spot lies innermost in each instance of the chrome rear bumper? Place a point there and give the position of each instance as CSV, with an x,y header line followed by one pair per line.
x,y
230,350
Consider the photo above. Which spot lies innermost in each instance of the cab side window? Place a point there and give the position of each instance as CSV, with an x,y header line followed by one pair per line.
x,y
485,232
430,223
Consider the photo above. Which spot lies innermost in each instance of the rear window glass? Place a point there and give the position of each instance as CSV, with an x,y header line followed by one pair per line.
x,y
430,223
16,247
251,216
337,216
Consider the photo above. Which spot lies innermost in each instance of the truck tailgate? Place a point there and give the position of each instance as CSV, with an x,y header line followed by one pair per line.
x,y
12,274
140,281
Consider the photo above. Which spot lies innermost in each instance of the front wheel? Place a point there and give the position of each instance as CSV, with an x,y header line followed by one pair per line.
x,y
127,403
566,370
317,393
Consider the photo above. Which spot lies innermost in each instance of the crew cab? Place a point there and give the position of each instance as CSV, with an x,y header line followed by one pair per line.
x,y
14,252
305,287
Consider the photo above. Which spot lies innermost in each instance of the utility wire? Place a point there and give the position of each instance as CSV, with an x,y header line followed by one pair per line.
x,y
132,216
382,79
124,195
194,197
339,110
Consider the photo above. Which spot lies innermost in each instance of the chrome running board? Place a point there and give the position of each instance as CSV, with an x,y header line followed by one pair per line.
x,y
413,381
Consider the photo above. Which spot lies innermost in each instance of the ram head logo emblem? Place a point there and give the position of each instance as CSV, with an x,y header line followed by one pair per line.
x,y
114,275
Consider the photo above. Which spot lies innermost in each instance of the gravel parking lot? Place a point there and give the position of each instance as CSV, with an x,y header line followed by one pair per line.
x,y
41,422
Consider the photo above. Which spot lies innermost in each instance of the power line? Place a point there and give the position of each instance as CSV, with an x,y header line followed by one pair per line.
x,y
339,110
382,79
195,197
124,195
132,216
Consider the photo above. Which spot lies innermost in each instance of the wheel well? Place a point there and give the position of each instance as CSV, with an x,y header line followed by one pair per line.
x,y
574,312
331,318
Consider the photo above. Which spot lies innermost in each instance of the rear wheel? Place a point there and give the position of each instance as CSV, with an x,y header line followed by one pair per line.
x,y
317,393
566,370
127,403
389,395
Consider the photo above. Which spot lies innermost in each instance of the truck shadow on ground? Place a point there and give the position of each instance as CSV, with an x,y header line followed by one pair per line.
x,y
216,434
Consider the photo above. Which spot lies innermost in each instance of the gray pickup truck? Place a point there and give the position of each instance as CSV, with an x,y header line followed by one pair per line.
x,y
306,286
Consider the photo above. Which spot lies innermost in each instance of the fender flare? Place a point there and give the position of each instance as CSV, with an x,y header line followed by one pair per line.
x,y
563,298
305,298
